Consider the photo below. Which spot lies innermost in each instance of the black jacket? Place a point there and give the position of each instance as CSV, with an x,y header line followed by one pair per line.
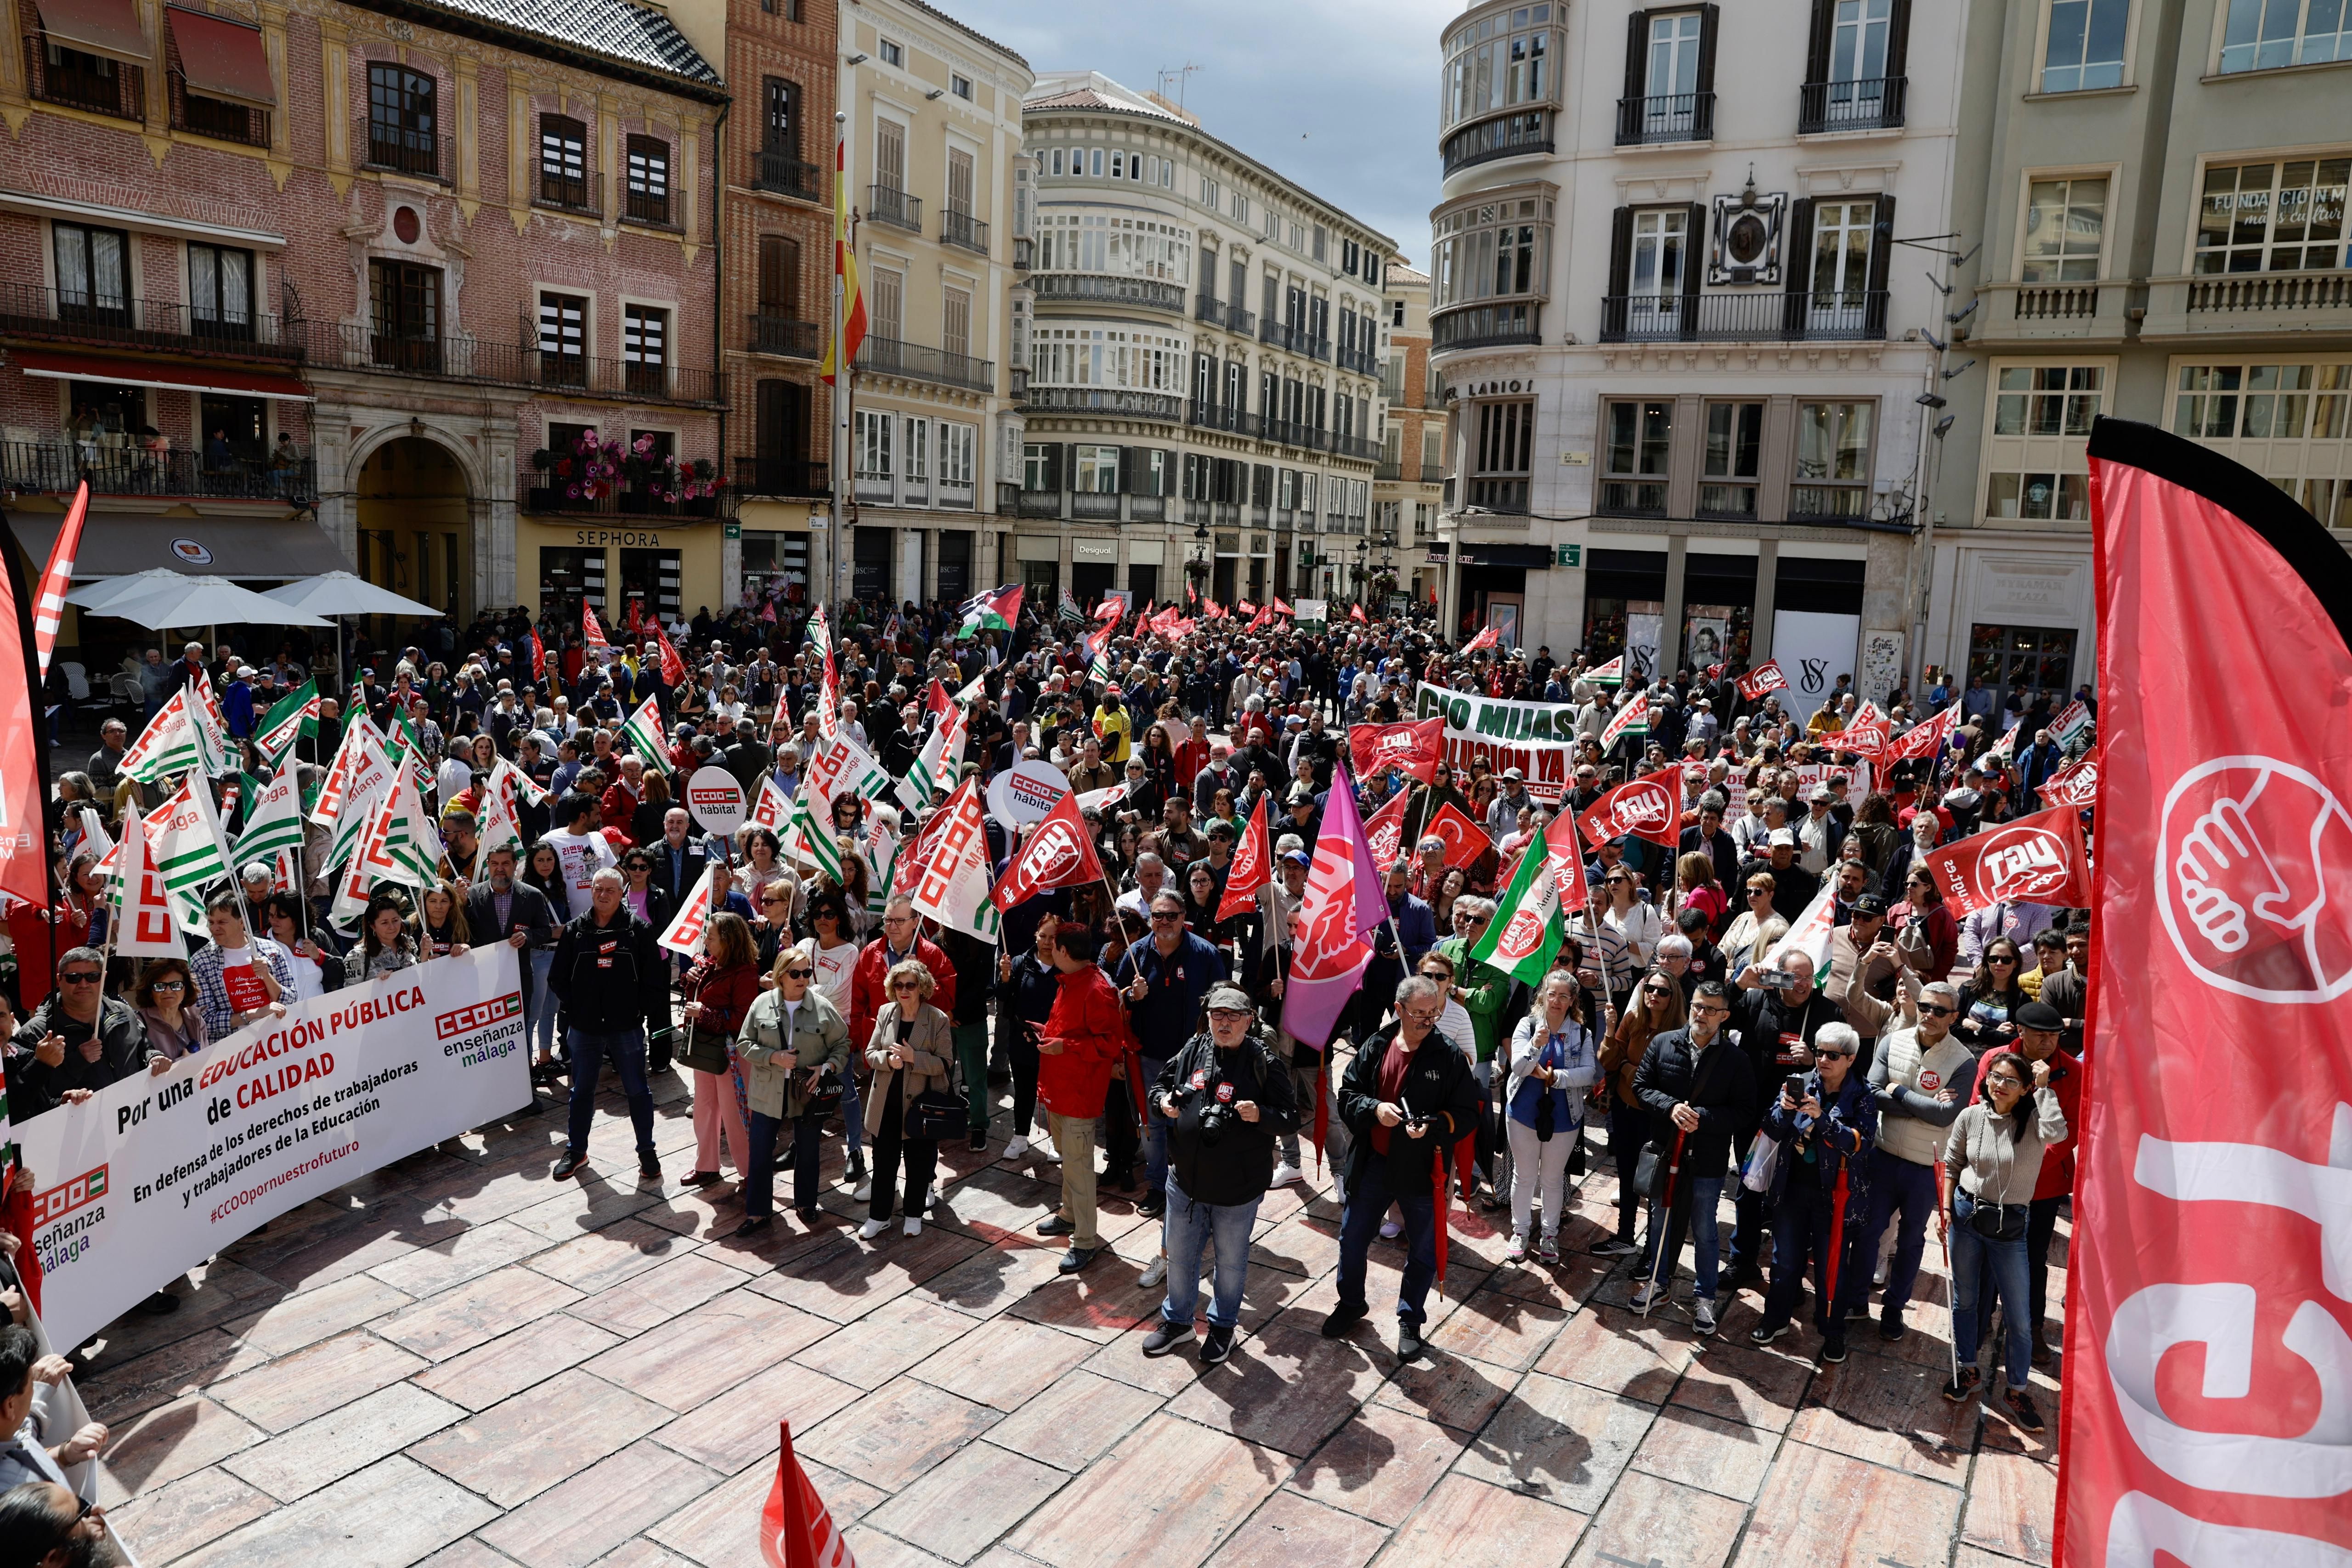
x,y
1717,1083
1438,1084
526,911
609,976
675,887
1763,1020
34,1087
1237,1168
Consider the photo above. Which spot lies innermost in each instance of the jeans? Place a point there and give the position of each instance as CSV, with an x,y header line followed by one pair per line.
x,y
971,1061
1802,1227
538,1008
1225,1227
1629,1132
1021,1053
853,1113
626,1049
1155,1131
1697,1207
759,1181
1902,1187
1974,1258
1360,1221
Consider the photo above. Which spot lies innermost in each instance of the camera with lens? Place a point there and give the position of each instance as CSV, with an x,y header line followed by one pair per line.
x,y
1217,1115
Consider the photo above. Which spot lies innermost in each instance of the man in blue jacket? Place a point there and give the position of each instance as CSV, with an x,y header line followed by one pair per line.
x,y
1163,982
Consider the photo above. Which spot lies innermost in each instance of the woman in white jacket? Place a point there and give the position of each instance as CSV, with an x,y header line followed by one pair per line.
x,y
1553,1062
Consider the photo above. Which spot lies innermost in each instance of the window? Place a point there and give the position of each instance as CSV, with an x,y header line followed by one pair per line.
x,y
1674,55
1396,313
2299,412
1095,162
645,349
2087,45
2036,468
960,86
404,314
960,181
1241,208
1053,161
648,179
1098,471
889,155
1661,253
1842,240
1499,62
1120,246
1501,455
781,132
1491,250
889,294
1108,356
1832,460
1319,242
1041,465
2047,400
2273,217
780,277
955,332
915,456
1639,443
563,161
894,54
1211,196
563,338
780,433
872,444
93,273
1858,31
220,290
2264,35
401,123
957,446
1735,441
2065,222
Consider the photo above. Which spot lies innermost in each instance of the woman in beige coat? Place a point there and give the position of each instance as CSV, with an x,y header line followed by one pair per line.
x,y
910,1052
795,1044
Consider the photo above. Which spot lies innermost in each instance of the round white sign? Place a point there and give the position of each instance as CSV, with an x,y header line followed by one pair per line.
x,y
715,800
1026,791
192,552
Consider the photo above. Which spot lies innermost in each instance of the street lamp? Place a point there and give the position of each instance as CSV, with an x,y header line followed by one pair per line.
x,y
1363,551
1198,567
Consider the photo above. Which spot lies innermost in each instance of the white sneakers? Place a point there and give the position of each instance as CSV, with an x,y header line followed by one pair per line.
x,y
865,1193
1286,1173
1646,1295
1017,1148
1703,1314
913,1226
1049,1151
872,1229
1390,1229
1518,1251
1157,1274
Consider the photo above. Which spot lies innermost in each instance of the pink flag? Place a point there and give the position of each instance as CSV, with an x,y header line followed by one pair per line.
x,y
1334,930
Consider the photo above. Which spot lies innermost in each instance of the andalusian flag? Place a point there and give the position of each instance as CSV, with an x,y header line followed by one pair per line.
x,y
367,786
172,742
1633,718
399,846
996,610
274,819
295,718
935,766
1612,674
1526,930
1071,611
1099,657
813,840
206,709
643,731
189,849
845,267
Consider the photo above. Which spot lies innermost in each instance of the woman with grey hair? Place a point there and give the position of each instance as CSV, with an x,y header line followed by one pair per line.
x,y
910,1051
1552,1063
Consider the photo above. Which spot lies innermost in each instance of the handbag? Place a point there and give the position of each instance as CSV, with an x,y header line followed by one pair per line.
x,y
705,1050
937,1114
1651,1172
1544,1116
821,1094
1998,1221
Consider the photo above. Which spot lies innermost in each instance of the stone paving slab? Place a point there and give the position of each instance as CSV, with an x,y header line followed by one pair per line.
x,y
458,1361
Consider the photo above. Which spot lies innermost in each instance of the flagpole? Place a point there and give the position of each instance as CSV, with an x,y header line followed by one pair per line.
x,y
841,380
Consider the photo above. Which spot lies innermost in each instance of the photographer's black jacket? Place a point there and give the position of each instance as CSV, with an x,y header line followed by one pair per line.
x,y
608,976
1438,1084
1238,1168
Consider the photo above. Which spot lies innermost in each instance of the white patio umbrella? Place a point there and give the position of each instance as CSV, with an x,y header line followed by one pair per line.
x,y
165,598
345,593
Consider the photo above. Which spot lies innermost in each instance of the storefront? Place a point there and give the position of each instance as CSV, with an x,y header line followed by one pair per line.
x,y
1625,607
1718,610
780,543
2020,619
669,572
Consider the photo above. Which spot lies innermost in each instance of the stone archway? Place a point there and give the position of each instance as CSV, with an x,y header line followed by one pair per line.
x,y
414,515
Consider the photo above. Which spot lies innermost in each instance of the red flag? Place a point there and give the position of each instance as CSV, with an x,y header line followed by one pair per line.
x,y
2210,1198
1484,640
1245,606
672,667
1647,807
1214,611
1192,594
1566,856
1252,866
1384,832
1466,840
1764,677
1057,853
1923,739
594,633
1262,618
24,865
2033,860
1356,612
633,618
796,1530
1413,749
538,656
16,1212
1110,612
2077,784
49,604
1282,608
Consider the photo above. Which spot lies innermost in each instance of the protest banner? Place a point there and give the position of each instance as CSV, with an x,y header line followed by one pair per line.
x,y
1537,739
2032,859
156,1173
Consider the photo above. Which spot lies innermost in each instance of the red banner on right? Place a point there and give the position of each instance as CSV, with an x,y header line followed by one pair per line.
x,y
2207,1407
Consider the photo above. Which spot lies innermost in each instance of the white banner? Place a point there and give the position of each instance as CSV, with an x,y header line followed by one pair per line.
x,y
1537,739
154,1175
1812,649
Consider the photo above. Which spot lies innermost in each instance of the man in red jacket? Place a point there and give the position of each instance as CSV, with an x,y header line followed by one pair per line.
x,y
2038,1027
899,942
1076,1044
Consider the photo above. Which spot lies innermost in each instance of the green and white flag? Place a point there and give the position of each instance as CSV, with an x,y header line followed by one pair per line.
x,y
398,845
643,731
936,766
365,788
811,841
189,849
1526,930
172,742
1612,674
274,821
359,738
1633,718
500,827
296,718
206,709
879,851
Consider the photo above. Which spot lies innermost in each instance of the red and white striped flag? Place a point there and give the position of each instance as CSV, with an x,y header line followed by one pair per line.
x,y
49,603
594,633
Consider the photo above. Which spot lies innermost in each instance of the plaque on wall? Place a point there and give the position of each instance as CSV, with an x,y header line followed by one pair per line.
x,y
1745,246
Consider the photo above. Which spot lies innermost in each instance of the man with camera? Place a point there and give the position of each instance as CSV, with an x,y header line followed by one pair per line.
x,y
1228,1102
1699,1093
1408,1097
1162,981
1778,1013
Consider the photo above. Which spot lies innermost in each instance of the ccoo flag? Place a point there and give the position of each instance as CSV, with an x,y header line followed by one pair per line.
x,y
2211,1204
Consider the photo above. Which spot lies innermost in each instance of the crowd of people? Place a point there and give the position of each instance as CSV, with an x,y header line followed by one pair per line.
x,y
1799,1132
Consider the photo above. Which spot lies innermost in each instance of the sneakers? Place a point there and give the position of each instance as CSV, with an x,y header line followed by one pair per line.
x,y
1216,1344
1077,1258
931,1197
1616,1247
872,1229
1961,1386
1154,1274
913,1226
1833,1348
1647,1294
1548,1249
1017,1148
1703,1314
2019,1405
1891,1329
1054,1225
1517,1250
1153,1205
1341,1320
1765,1333
1286,1173
1048,1151
1390,1229
865,1193
1166,1336
979,1139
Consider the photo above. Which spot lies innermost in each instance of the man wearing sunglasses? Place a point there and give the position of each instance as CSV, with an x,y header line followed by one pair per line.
x,y
56,1529
77,1042
1163,982
1920,1080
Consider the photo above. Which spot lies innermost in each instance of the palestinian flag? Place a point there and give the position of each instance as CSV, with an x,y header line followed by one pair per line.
x,y
293,719
1633,718
172,742
996,610
643,731
1612,674
273,821
1526,930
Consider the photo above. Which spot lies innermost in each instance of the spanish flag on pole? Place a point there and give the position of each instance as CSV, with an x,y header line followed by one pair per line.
x,y
851,301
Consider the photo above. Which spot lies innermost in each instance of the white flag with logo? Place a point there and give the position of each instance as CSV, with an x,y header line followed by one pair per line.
x,y
146,927
691,930
1810,934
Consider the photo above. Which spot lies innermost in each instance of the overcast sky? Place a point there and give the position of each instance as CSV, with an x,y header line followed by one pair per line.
x,y
1339,95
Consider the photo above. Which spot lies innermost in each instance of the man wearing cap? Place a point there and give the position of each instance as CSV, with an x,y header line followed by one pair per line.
x,y
1919,1078
2038,1029
1503,815
1818,833
1864,969
1228,1102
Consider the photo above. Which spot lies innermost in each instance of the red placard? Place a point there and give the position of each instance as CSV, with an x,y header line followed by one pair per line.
x,y
1412,749
23,866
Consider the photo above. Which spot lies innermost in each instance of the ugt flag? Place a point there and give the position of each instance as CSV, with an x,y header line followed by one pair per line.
x,y
2030,859
2208,1319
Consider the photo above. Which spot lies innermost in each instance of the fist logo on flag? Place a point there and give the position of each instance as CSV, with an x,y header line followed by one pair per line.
x,y
1640,806
2253,854
2022,865
1519,938
1055,852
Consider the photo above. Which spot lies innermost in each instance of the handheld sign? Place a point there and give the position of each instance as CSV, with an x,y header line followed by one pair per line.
x,y
715,799
1026,791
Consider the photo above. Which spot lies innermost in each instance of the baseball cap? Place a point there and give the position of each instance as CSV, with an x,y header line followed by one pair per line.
x,y
1515,773
1782,836
1299,857
1869,904
1821,795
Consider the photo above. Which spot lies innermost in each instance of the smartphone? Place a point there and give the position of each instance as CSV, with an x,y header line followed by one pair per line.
x,y
1794,1086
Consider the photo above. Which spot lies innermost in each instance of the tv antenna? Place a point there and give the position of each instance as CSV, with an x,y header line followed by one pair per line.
x,y
1175,74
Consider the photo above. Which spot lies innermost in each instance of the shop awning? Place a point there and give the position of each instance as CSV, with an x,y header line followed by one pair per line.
x,y
216,379
118,547
109,28
222,59
1533,557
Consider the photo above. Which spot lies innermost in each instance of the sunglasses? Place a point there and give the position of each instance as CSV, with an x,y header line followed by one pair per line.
x,y
1705,1011
1657,990
169,986
1833,1055
1938,1012
798,974
2002,959
904,986
81,978
1165,917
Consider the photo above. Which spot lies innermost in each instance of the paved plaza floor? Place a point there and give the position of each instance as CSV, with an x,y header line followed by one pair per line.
x,y
459,1361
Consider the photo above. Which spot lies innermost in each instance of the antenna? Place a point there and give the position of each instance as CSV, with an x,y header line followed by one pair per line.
x,y
1176,74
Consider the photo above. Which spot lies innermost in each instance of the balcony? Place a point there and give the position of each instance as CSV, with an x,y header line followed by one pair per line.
x,y
1486,327
1511,136
1024,252
578,192
1665,116
84,81
72,316
1356,448
775,333
889,355
963,230
1094,507
1280,335
1039,504
650,208
2268,293
400,150
1096,288
1205,308
1209,416
886,204
347,346
550,500
1873,103
217,118
1364,361
1240,322
794,476
2056,301
1753,317
780,173
1389,473
1433,472
1313,348
56,466
1105,399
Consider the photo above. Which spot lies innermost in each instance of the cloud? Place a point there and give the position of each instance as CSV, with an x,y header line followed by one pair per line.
x,y
1340,98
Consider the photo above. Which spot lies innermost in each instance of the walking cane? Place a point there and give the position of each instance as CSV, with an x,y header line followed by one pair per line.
x,y
1661,1225
1951,1279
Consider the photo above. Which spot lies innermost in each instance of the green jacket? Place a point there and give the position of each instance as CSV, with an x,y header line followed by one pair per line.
x,y
1490,992
820,1038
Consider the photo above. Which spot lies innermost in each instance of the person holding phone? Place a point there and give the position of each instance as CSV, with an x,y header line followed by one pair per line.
x,y
1825,1121
1994,1154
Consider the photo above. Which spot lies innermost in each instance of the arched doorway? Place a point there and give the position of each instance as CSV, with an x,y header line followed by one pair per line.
x,y
415,532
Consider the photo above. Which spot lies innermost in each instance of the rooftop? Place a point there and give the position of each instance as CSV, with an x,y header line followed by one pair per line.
x,y
638,36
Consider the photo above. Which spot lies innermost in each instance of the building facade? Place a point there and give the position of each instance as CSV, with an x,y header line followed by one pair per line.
x,y
1678,323
358,282
2158,187
1408,489
1203,399
934,141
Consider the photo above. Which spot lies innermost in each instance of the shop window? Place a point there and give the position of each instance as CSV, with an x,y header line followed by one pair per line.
x,y
650,577
567,576
772,558
2022,659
